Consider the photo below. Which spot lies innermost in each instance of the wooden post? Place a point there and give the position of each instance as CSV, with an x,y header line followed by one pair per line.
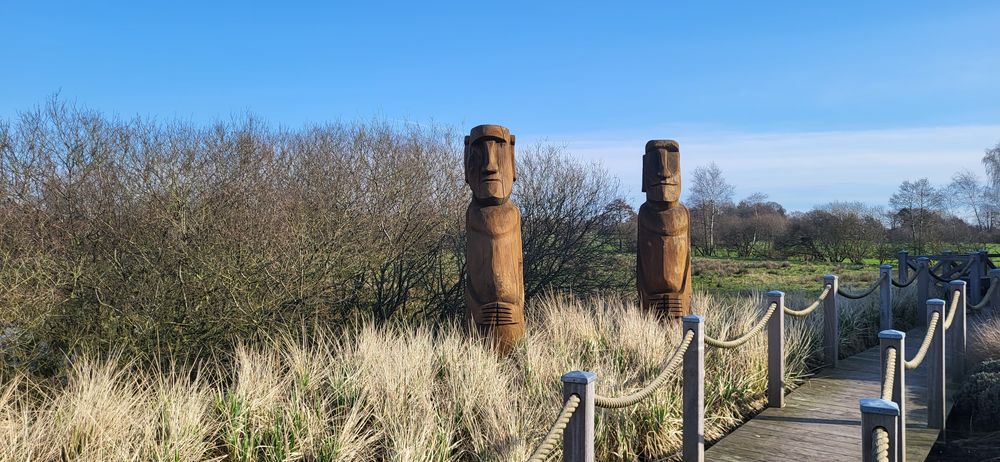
x,y
578,438
885,296
975,293
694,391
896,339
923,287
956,334
879,413
904,268
994,280
776,351
831,322
936,415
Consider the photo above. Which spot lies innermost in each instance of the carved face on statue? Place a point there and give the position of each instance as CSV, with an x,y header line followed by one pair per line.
x,y
489,163
661,171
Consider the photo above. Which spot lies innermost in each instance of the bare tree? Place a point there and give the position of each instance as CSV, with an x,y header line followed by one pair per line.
x,y
567,207
835,232
968,195
710,193
917,205
752,226
991,160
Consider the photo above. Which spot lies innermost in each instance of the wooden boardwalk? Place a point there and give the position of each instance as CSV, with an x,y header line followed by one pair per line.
x,y
821,419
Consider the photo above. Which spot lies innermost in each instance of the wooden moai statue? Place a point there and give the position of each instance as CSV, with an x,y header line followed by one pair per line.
x,y
663,266
494,289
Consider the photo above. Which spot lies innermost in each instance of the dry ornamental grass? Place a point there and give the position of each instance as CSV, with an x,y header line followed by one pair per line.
x,y
402,393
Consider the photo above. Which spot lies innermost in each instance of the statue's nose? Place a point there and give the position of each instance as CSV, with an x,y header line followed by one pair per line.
x,y
664,171
491,165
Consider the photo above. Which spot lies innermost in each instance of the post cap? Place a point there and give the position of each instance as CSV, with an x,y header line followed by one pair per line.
x,y
579,377
957,282
829,276
879,406
901,251
994,271
885,267
775,293
923,259
935,301
693,318
892,334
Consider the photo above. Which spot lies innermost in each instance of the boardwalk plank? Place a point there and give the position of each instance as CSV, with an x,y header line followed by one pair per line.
x,y
821,420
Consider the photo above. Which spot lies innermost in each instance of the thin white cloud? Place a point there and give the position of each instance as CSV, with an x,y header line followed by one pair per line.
x,y
800,170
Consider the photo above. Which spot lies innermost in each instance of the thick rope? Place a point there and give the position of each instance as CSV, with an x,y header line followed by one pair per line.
x,y
880,450
951,311
928,337
750,333
967,266
552,437
986,298
903,284
939,278
845,294
809,309
890,378
671,364
953,274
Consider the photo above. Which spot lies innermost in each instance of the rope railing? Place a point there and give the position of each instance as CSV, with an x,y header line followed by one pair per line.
x,y
846,294
880,450
809,309
994,282
884,420
904,284
555,432
663,376
890,377
577,413
745,337
954,309
928,337
953,273
939,278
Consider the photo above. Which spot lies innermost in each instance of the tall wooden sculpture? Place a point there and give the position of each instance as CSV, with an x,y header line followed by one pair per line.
x,y
663,266
494,290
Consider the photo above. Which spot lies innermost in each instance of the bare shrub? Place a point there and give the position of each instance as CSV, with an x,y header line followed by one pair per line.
x,y
570,224
142,236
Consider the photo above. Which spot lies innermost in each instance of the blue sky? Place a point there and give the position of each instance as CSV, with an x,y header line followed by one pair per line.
x,y
770,91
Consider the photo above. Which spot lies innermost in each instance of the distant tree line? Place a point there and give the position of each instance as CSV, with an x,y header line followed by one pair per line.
x,y
920,218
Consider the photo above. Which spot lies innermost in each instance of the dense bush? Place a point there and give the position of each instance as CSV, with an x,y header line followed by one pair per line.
x,y
980,398
143,235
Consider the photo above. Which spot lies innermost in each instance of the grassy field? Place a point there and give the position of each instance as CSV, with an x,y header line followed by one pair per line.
x,y
732,276
411,393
